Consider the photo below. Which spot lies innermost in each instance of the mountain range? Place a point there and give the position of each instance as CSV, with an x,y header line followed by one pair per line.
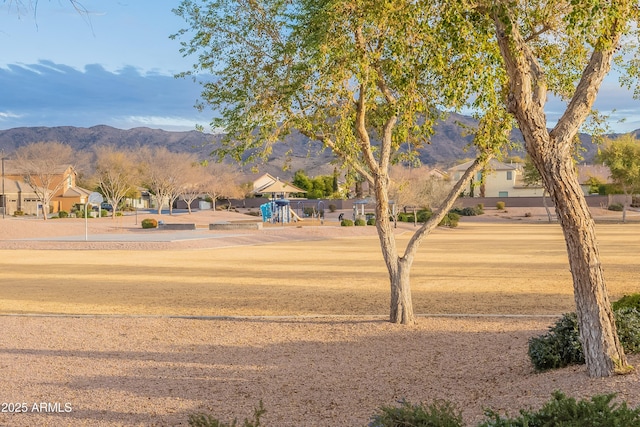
x,y
448,145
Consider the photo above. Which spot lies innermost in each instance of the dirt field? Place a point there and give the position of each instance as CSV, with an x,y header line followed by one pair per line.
x,y
143,327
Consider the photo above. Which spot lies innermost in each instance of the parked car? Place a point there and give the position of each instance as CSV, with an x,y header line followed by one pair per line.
x,y
106,207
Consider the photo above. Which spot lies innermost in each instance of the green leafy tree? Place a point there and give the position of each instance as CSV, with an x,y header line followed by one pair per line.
x,y
622,156
301,180
368,79
565,48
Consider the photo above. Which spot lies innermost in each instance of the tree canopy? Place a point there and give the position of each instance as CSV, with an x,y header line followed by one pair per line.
x,y
368,79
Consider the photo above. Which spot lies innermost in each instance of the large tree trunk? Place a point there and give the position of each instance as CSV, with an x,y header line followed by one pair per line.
x,y
401,306
551,153
595,315
401,310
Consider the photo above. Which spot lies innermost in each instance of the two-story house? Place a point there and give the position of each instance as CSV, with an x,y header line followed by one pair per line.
x,y
19,195
497,179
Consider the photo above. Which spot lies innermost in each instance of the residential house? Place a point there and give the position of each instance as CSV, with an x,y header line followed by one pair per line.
x,y
497,179
506,179
20,196
591,174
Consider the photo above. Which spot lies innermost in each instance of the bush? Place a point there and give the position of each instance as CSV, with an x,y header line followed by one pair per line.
x,y
63,214
204,420
558,348
360,222
561,346
18,213
332,208
616,207
424,215
371,221
628,327
149,223
500,206
405,217
567,412
450,220
437,414
627,301
346,223
468,211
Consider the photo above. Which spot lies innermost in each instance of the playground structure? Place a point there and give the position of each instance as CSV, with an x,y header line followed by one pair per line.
x,y
279,211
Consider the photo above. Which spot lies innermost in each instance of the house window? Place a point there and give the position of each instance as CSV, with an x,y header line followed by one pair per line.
x,y
479,176
509,175
503,194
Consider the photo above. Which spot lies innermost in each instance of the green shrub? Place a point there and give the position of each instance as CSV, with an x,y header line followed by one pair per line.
x,y
346,223
437,414
63,214
468,211
627,301
360,222
500,205
423,215
204,420
404,217
567,412
628,328
371,221
332,208
616,207
118,213
559,347
18,213
149,223
450,220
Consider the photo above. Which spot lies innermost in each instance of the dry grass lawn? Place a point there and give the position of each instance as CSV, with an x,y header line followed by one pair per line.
x,y
479,267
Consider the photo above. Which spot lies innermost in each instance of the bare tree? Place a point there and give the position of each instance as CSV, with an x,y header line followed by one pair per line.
x,y
417,188
193,184
116,174
164,174
223,181
43,165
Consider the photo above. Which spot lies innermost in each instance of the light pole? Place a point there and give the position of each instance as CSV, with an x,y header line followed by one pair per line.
x,y
4,197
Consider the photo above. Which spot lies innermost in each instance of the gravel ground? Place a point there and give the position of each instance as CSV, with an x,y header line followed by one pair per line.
x,y
308,371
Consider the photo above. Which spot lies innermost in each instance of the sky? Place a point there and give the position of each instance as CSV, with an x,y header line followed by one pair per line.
x,y
116,66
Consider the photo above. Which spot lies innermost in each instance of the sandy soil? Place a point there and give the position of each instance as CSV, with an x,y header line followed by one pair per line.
x,y
125,370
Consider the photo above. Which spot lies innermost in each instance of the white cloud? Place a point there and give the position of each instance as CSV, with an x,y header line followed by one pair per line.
x,y
159,122
5,115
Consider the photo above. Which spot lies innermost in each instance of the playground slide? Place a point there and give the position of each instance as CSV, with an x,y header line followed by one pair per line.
x,y
294,215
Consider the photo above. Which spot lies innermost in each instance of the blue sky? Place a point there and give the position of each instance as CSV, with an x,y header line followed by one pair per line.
x,y
115,66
